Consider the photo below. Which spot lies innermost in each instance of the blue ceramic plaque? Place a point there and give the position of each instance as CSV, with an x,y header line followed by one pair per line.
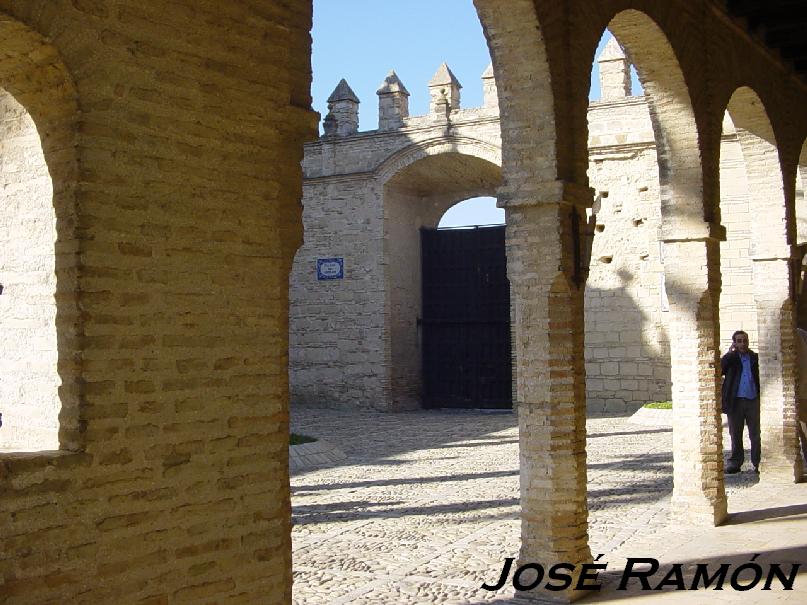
x,y
330,268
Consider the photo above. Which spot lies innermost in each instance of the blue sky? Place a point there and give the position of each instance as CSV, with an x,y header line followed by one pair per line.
x,y
361,40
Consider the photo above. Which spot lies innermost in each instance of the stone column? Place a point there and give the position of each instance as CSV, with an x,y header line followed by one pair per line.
x,y
692,281
548,311
773,279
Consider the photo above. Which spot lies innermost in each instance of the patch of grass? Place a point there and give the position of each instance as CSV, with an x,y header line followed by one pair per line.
x,y
658,405
295,439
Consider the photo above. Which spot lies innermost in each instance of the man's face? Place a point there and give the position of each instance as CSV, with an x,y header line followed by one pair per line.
x,y
741,343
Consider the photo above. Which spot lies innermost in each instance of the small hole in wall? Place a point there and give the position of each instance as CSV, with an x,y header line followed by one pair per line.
x,y
599,228
644,256
637,222
642,189
603,194
606,259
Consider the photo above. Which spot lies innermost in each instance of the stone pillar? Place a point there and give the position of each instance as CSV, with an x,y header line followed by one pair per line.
x,y
692,281
393,102
773,280
614,72
548,312
444,86
343,112
489,91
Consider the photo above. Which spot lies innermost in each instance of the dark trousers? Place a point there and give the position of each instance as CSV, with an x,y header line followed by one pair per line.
x,y
745,411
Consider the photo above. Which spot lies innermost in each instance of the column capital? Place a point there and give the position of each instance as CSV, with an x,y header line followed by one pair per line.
x,y
545,193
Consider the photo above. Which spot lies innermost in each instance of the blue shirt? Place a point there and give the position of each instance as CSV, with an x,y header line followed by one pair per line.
x,y
747,388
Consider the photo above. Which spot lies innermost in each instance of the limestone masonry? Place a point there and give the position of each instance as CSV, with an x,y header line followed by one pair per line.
x,y
355,341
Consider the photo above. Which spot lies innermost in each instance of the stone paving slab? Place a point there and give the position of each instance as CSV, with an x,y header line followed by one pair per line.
x,y
319,453
423,508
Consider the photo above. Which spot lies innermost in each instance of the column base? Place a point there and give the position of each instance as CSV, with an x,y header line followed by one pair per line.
x,y
700,512
779,472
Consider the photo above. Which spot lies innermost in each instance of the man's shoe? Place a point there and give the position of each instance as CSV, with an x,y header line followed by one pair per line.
x,y
756,469
732,470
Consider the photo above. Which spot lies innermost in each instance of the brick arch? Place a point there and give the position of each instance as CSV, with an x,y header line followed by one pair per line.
x,y
530,149
774,223
801,235
775,268
657,44
673,117
39,85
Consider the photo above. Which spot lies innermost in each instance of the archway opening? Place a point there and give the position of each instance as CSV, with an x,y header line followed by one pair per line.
x,y
473,212
415,200
765,215
627,352
29,388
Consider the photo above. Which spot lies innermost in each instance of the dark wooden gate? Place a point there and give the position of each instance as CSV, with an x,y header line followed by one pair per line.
x,y
466,319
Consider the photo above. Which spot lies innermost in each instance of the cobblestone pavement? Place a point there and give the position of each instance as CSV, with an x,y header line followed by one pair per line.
x,y
424,506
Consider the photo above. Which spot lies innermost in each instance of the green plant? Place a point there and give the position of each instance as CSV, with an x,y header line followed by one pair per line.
x,y
658,405
295,439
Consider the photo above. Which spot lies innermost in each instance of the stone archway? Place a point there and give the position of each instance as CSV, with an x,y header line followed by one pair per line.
x,y
690,243
416,197
775,263
365,352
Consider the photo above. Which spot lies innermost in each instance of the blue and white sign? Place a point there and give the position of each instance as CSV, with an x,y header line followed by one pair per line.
x,y
330,268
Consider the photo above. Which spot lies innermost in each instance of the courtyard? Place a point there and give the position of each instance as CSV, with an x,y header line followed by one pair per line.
x,y
422,507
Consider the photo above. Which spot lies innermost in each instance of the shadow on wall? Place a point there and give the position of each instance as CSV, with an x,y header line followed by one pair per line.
x,y
627,348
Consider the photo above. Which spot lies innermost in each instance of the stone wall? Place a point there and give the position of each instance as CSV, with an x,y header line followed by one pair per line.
x,y
627,346
340,353
355,341
627,353
29,398
626,312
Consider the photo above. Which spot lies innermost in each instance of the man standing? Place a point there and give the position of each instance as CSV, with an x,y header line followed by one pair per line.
x,y
740,403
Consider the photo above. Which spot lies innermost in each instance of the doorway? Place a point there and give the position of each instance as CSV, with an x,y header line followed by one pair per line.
x,y
465,326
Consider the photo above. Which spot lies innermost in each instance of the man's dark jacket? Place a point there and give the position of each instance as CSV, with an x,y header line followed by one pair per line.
x,y
732,370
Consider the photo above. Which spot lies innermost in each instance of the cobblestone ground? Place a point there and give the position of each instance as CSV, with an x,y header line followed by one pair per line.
x,y
424,506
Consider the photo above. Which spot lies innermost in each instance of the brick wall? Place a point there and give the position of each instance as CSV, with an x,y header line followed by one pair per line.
x,y
172,482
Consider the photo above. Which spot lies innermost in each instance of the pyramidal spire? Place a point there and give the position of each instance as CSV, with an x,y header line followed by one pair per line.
x,y
444,89
444,76
614,72
343,92
343,112
488,73
393,102
613,51
391,84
